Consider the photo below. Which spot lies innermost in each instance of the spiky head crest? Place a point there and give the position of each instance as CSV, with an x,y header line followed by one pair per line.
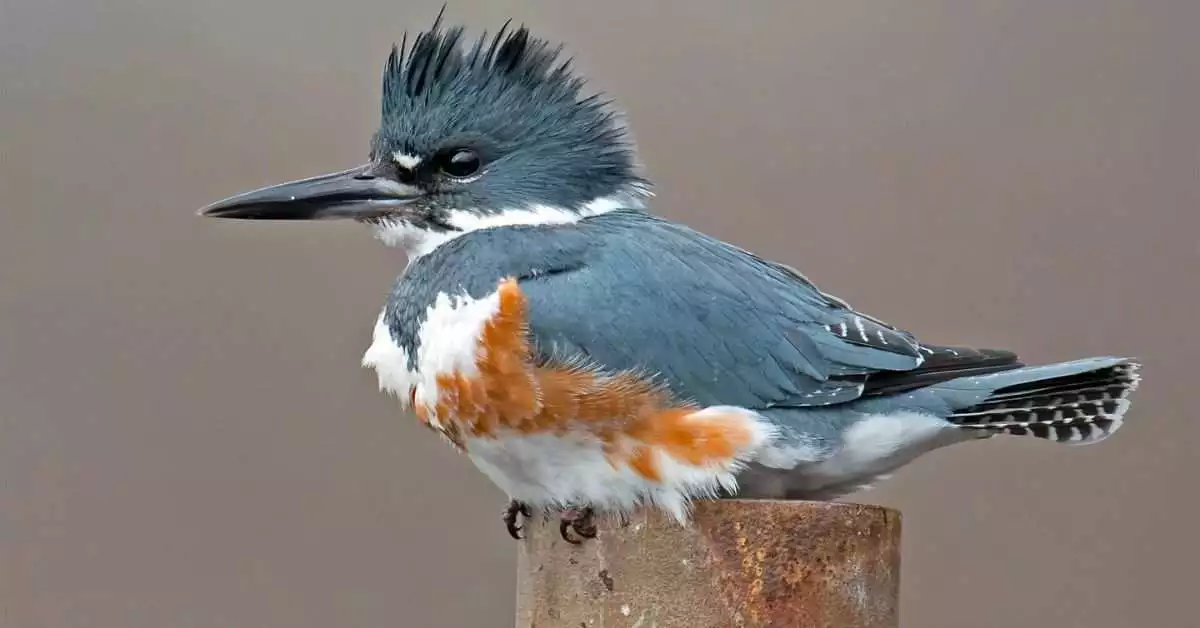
x,y
512,100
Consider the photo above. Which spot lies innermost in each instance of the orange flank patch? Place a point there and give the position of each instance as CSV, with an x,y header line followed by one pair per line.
x,y
633,417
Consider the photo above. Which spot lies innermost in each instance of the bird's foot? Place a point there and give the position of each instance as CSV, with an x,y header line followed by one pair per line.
x,y
516,510
581,521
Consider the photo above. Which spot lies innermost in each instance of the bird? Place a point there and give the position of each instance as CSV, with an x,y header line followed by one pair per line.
x,y
591,357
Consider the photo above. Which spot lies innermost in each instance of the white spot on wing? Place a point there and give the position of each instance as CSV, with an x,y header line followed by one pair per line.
x,y
858,325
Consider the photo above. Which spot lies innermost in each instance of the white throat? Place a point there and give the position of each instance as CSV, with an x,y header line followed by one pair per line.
x,y
416,242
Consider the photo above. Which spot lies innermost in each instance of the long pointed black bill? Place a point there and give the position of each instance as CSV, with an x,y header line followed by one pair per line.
x,y
355,193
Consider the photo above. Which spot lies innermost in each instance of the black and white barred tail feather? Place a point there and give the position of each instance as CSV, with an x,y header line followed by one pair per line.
x,y
1065,405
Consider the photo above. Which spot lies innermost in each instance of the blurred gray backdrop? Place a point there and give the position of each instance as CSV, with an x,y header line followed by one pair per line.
x,y
187,440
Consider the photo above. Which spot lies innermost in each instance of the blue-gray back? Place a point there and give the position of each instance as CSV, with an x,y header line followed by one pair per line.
x,y
627,290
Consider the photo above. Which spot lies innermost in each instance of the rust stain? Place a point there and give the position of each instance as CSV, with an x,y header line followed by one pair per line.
x,y
741,563
831,575
631,415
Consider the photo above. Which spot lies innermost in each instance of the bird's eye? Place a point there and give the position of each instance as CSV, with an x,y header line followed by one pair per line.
x,y
460,163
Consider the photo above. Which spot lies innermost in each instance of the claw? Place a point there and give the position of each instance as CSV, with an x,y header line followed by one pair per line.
x,y
515,509
581,522
563,526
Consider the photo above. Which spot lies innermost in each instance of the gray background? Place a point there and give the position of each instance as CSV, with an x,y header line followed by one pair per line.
x,y
187,439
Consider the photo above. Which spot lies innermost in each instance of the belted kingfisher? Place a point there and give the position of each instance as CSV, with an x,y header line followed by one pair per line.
x,y
591,357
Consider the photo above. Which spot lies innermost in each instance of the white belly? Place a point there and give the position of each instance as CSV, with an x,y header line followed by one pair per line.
x,y
548,471
576,468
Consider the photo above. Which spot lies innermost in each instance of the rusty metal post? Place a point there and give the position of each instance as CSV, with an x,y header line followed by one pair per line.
x,y
740,563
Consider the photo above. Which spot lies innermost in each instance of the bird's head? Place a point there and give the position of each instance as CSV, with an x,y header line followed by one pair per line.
x,y
493,131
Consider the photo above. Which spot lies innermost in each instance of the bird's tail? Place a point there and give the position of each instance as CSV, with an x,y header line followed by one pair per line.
x,y
1078,402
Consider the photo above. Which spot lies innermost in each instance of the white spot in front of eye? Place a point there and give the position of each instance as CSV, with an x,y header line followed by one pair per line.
x,y
406,161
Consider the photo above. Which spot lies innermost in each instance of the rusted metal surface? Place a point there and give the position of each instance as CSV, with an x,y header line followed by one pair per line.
x,y
740,563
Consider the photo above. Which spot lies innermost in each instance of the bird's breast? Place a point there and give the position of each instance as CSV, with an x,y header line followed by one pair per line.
x,y
468,371
472,373
557,431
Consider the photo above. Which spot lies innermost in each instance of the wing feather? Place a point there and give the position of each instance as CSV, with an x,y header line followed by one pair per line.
x,y
716,323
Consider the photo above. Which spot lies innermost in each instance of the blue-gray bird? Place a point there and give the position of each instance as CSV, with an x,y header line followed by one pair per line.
x,y
591,357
